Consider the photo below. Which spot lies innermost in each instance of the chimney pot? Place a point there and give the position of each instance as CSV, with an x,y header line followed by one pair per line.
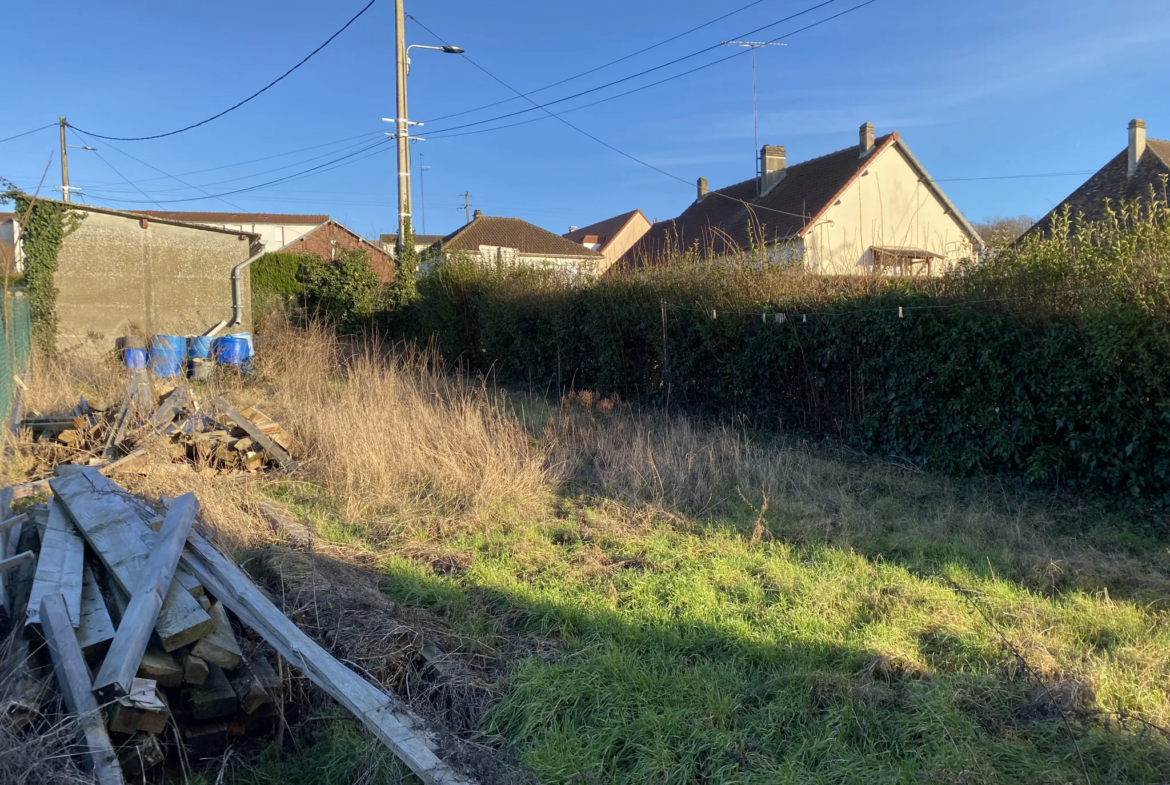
x,y
477,214
1137,144
865,139
572,229
702,185
773,166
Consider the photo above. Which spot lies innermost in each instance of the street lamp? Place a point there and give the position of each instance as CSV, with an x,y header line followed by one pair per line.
x,y
402,124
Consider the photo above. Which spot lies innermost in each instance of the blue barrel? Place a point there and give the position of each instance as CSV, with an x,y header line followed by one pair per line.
x,y
135,358
198,347
168,353
230,350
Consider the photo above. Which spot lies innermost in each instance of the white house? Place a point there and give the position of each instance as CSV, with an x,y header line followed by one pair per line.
x,y
512,242
871,209
275,230
612,237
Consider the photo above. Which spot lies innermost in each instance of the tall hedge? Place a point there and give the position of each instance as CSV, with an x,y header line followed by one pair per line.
x,y
1014,373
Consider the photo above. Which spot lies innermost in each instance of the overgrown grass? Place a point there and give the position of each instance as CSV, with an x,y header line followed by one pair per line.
x,y
684,603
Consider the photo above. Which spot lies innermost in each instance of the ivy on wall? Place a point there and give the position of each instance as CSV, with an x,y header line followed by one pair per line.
x,y
42,230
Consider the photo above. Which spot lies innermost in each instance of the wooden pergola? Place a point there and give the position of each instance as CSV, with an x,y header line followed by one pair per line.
x,y
904,261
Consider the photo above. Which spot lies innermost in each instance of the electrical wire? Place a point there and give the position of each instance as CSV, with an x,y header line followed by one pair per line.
x,y
26,133
663,42
115,171
241,103
345,160
578,129
155,168
677,60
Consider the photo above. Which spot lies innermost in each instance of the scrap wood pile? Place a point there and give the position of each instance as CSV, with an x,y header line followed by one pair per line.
x,y
208,434
156,642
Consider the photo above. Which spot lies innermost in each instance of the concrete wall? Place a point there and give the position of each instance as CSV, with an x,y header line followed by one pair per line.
x,y
113,276
888,206
631,233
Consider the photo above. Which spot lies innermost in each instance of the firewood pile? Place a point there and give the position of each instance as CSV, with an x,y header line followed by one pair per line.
x,y
209,434
158,644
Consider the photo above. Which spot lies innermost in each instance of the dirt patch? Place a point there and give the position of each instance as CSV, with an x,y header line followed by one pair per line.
x,y
443,677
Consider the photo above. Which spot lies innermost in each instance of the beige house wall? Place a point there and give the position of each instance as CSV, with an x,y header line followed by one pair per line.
x,y
624,240
888,205
114,277
494,256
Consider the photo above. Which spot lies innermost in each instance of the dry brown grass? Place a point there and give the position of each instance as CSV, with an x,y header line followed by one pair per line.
x,y
389,435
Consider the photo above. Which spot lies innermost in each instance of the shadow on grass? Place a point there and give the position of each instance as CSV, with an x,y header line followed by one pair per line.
x,y
684,696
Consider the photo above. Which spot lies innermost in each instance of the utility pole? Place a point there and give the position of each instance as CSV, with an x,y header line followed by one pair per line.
x,y
64,163
401,125
467,205
422,189
753,46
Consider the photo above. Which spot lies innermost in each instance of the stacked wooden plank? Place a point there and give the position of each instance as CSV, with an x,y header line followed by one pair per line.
x,y
212,436
150,627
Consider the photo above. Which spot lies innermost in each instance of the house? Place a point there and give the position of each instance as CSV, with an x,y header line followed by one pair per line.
x,y
1135,174
11,257
331,238
422,242
275,230
612,237
119,272
870,209
512,242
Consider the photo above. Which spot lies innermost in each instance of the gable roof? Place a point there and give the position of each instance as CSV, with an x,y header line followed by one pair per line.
x,y
237,218
737,216
512,233
1112,183
604,232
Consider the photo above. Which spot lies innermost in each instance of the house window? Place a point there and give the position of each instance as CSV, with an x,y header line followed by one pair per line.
x,y
902,261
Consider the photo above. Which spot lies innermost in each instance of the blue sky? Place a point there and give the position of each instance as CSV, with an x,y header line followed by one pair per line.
x,y
978,90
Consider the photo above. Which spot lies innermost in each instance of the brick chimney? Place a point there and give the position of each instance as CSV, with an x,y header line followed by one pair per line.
x,y
702,189
865,140
773,166
1137,144
477,214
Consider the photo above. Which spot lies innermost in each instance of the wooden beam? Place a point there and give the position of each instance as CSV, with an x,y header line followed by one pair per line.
x,y
220,646
258,436
97,628
370,704
12,562
76,689
112,526
15,520
156,664
59,567
194,669
116,676
6,549
214,698
165,413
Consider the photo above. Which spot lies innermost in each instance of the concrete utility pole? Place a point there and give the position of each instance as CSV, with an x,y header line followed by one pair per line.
x,y
401,125
467,205
64,163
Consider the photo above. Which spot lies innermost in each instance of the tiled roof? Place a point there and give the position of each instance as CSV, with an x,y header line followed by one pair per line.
x,y
237,218
512,233
1113,183
7,216
736,217
602,232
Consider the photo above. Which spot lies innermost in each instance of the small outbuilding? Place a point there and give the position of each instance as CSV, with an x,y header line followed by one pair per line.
x,y
120,272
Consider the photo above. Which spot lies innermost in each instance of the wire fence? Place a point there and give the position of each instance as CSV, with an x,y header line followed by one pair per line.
x,y
14,355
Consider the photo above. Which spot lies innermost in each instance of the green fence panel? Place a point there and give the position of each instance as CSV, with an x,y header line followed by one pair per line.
x,y
17,329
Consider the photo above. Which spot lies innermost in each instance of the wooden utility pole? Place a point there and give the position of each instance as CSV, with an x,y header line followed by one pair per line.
x,y
64,163
401,124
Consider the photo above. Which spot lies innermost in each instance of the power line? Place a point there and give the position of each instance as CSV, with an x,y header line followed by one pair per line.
x,y
617,150
677,60
26,133
377,148
155,168
246,100
600,67
107,163
1012,177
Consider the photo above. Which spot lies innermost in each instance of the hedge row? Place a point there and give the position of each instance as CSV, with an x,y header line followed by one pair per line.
x,y
1078,398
